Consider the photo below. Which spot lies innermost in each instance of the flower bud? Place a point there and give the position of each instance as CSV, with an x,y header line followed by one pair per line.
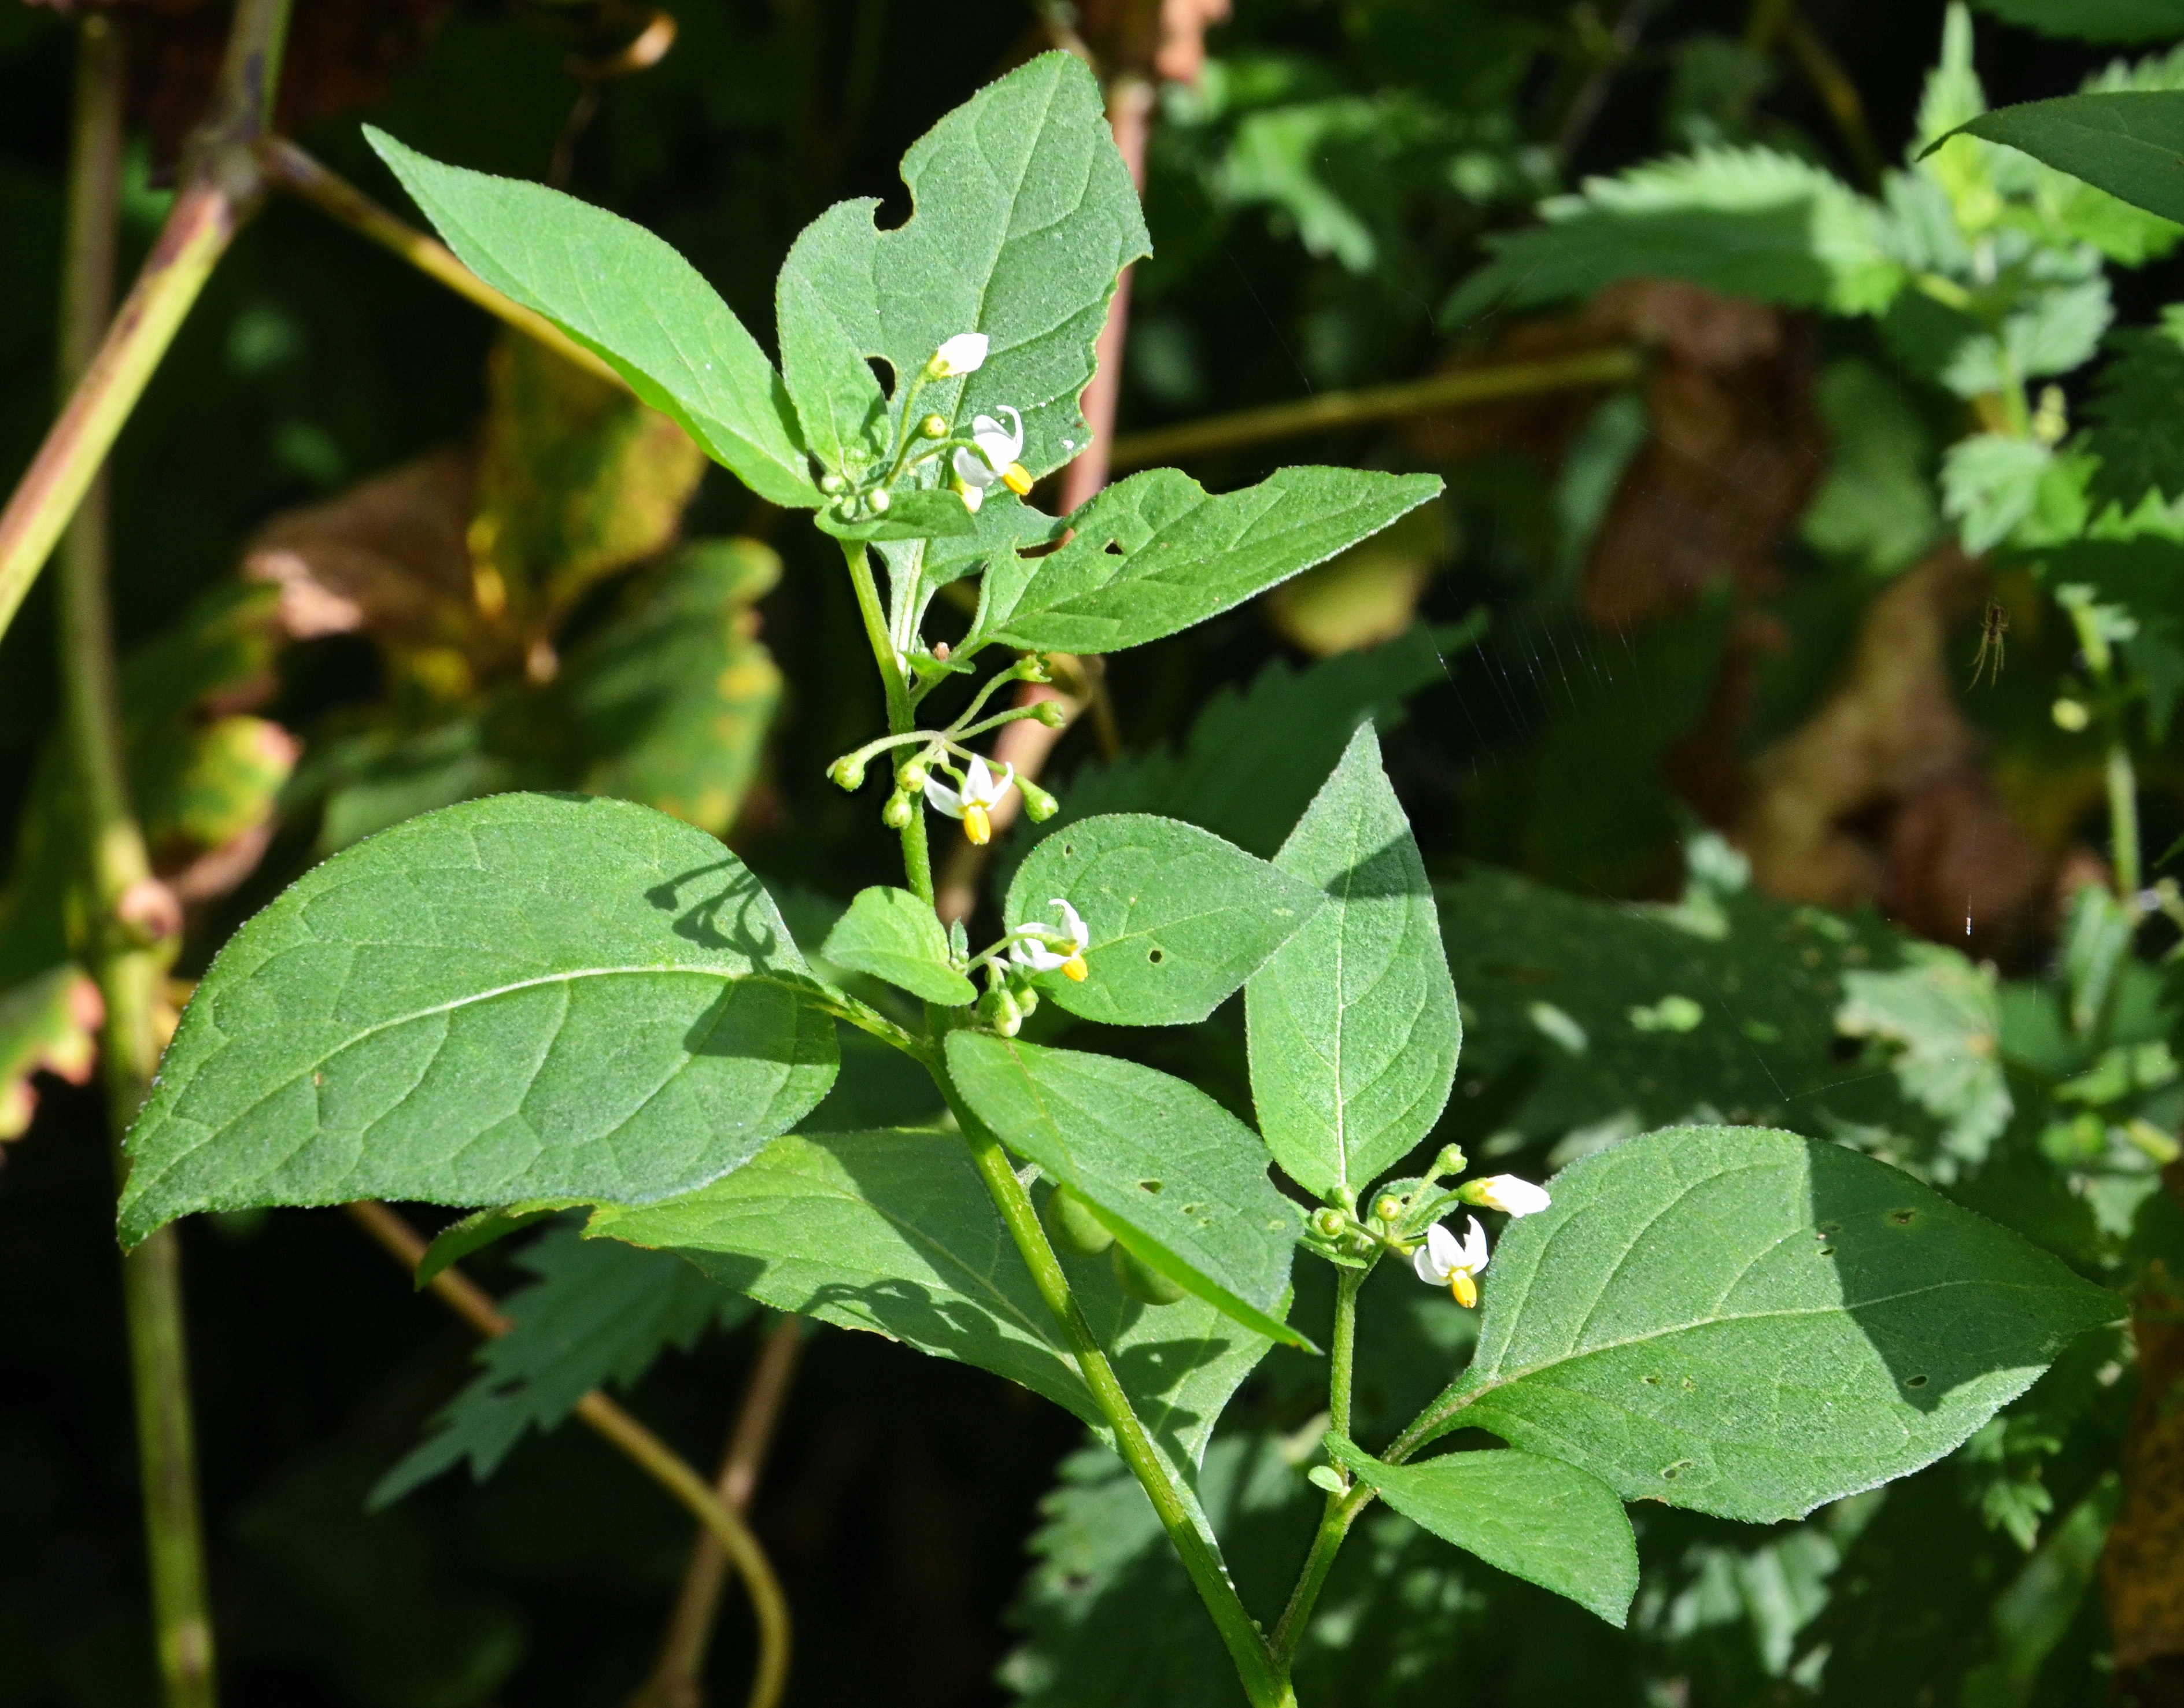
x,y
1032,668
878,502
1000,1009
1071,1225
1049,712
935,427
1451,1161
832,482
911,777
1039,806
1141,1282
2070,715
1028,1001
1506,1193
895,815
848,772
964,353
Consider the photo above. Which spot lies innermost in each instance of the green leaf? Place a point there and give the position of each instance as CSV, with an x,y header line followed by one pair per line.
x,y
1747,222
1943,1014
1353,1024
891,934
839,402
621,292
1023,216
894,1233
2094,20
2137,415
1177,1179
2128,142
599,1313
1877,507
1538,1519
477,1231
1749,1323
674,698
1990,484
1177,918
1157,554
531,996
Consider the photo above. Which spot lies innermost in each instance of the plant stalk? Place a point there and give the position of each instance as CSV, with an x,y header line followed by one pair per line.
x,y
221,186
677,1675
651,1455
1265,1681
1332,411
288,168
2123,819
126,968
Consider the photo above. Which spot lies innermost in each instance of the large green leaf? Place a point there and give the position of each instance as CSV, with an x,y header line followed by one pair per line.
x,y
1353,1024
2094,20
891,934
1177,918
1749,1323
1022,217
2128,142
892,1232
529,996
1156,553
837,397
1539,1519
1177,1179
596,1314
619,290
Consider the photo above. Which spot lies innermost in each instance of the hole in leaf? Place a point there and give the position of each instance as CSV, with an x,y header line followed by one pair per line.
x,y
1904,1218
1194,1209
1917,1381
1652,1382
1827,1251
884,371
1673,1471
1113,548
1067,849
1830,1227
1156,956
1151,1186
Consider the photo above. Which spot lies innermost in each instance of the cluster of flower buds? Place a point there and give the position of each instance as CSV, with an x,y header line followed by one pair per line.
x,y
1405,1219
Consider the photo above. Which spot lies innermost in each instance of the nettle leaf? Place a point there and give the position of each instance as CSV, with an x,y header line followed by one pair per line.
x,y
1023,216
2129,143
1353,1024
2136,413
1177,918
1155,554
618,290
894,1233
598,1314
891,934
529,996
1945,1016
1538,1519
1172,1174
1748,1323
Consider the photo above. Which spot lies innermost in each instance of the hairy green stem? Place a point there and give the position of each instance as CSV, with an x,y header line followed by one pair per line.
x,y
1334,1522
1343,1347
126,968
1264,1682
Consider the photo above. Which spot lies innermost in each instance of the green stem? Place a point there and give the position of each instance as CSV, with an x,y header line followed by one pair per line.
x,y
2123,818
127,969
918,854
1341,1512
875,632
1343,1349
1264,1682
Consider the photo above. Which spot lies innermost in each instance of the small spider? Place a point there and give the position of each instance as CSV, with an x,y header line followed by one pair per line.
x,y
1993,626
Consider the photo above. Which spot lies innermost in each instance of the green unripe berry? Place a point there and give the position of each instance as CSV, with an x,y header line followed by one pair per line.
x,y
933,427
832,483
1144,1283
1387,1207
911,777
1050,713
1071,1225
1327,1223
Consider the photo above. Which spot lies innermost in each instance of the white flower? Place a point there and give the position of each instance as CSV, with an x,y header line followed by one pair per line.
x,y
1506,1193
964,353
980,794
994,458
1442,1262
1031,952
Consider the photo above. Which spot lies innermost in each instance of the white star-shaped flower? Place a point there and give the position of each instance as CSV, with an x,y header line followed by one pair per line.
x,y
992,456
1443,1261
975,802
1030,953
1506,1193
964,353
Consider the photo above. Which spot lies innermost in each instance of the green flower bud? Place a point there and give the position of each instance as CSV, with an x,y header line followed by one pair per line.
x,y
911,777
1032,668
933,427
1451,1161
1071,1225
1039,806
1000,1009
832,483
877,502
1145,1284
1028,1001
848,772
1049,712
895,815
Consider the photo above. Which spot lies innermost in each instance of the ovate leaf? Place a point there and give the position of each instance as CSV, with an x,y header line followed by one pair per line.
x,y
1177,918
839,402
619,290
893,1232
529,996
596,1314
1749,1323
1176,1177
1539,1519
1156,553
1353,1024
2128,142
1022,217
891,934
